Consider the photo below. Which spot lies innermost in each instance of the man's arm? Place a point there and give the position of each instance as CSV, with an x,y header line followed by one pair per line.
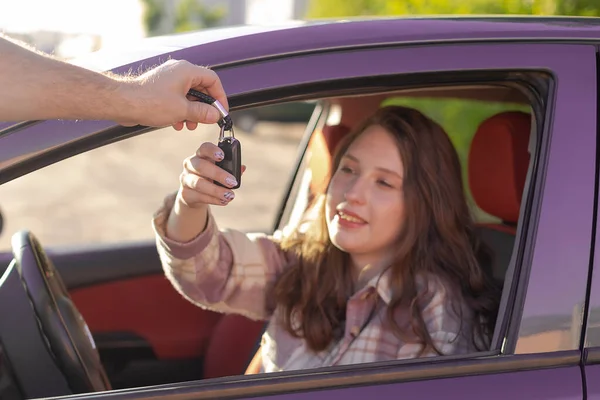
x,y
37,86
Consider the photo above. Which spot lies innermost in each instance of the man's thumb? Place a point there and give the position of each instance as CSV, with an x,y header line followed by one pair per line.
x,y
202,113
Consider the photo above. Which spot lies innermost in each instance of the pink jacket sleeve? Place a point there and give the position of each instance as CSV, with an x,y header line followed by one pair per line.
x,y
225,271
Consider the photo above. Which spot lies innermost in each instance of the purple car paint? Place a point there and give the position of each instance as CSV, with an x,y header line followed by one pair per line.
x,y
223,47
555,270
561,383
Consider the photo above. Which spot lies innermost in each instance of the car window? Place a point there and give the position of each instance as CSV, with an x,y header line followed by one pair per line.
x,y
461,119
109,194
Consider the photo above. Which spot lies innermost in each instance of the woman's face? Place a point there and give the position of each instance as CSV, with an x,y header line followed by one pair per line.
x,y
365,202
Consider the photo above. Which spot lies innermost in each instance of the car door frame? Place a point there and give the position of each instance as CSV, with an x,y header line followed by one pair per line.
x,y
591,342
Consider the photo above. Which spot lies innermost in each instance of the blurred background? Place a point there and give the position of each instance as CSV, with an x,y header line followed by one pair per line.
x,y
108,195
70,28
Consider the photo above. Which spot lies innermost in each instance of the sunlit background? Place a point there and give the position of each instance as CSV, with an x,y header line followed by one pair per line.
x,y
69,28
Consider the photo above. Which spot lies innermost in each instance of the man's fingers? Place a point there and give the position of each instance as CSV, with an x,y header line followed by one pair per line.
x,y
202,113
178,126
191,125
205,79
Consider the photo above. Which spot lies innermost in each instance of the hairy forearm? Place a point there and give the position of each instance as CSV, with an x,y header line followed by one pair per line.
x,y
37,86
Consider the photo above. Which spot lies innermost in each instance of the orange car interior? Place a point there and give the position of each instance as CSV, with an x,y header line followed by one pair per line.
x,y
498,163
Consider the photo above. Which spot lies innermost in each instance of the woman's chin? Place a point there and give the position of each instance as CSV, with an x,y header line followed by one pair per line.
x,y
346,244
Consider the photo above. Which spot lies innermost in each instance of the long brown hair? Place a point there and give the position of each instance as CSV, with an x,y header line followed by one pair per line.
x,y
437,239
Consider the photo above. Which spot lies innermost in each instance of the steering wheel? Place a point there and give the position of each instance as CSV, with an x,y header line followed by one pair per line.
x,y
60,322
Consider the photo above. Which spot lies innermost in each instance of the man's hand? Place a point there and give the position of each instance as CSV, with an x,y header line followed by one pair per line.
x,y
158,97
37,86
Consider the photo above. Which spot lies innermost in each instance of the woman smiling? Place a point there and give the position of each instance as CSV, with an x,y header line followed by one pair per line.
x,y
387,269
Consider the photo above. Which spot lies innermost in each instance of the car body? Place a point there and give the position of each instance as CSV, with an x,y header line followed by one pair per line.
x,y
462,70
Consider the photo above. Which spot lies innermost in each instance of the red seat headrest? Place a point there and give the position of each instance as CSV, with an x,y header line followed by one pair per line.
x,y
498,162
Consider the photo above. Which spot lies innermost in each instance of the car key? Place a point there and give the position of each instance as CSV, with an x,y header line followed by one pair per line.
x,y
231,147
232,162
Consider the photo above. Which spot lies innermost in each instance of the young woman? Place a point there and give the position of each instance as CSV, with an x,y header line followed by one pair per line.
x,y
387,270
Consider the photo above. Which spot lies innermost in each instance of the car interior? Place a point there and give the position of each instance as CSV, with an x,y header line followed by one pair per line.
x,y
146,340
498,161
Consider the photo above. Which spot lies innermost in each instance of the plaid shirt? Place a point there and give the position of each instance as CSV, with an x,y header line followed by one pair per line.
x,y
229,272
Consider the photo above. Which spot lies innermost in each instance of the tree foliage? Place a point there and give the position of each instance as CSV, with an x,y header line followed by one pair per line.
x,y
357,8
153,14
189,15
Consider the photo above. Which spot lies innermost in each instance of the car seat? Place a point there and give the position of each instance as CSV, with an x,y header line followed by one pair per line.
x,y
497,169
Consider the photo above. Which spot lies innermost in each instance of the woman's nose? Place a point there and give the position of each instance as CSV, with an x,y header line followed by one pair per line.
x,y
356,191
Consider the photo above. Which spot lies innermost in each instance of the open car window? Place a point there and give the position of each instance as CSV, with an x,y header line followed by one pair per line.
x,y
495,167
108,195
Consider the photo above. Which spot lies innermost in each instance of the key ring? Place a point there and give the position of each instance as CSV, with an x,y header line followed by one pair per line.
x,y
225,123
222,132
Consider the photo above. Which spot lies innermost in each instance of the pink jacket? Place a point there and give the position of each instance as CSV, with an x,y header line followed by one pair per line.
x,y
230,272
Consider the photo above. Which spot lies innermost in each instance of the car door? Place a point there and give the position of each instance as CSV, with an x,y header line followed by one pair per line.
x,y
145,331
543,325
538,351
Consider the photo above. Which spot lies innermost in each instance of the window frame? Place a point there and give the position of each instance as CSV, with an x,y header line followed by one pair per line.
x,y
515,269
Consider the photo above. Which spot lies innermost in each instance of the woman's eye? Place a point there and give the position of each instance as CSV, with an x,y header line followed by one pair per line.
x,y
384,183
347,170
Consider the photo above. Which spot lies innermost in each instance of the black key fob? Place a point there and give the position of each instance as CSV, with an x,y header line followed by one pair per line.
x,y
232,162
231,147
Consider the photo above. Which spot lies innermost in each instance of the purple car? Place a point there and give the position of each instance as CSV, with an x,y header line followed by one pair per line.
x,y
518,98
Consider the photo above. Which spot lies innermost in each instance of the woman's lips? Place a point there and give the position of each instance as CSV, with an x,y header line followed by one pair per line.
x,y
348,219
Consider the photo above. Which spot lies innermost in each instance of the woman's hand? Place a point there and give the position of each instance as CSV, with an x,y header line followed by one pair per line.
x,y
199,171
